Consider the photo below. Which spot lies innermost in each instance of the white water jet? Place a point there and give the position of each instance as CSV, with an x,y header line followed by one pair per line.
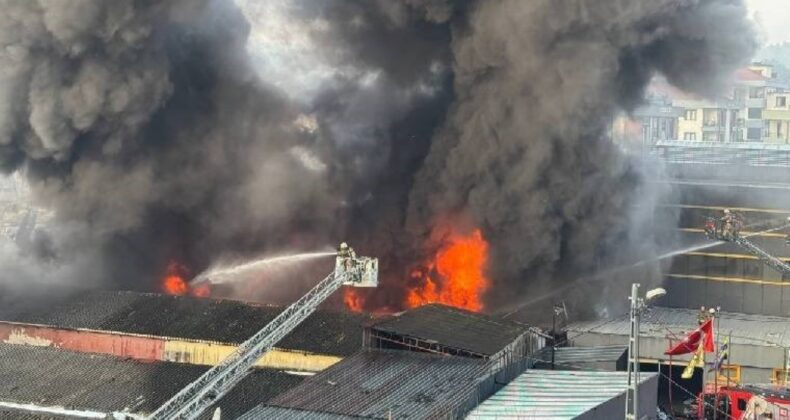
x,y
241,271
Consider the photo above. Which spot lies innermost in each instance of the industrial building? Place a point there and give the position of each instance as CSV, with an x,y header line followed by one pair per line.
x,y
130,352
504,345
387,384
758,342
147,326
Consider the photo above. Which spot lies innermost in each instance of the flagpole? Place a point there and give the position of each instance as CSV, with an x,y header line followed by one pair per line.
x,y
729,356
716,363
671,408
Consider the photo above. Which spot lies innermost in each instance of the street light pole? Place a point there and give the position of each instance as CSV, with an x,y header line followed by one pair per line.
x,y
638,305
632,392
557,310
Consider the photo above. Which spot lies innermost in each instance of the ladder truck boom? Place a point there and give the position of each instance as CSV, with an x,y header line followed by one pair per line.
x,y
714,229
191,401
767,258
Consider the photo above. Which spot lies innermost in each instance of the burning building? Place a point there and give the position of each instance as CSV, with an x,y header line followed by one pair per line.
x,y
164,131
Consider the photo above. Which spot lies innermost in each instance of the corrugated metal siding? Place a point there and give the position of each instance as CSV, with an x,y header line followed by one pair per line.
x,y
272,412
136,347
378,384
154,348
759,330
212,353
556,394
585,354
583,358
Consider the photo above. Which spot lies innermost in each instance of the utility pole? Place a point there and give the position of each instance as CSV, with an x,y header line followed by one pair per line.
x,y
557,310
632,392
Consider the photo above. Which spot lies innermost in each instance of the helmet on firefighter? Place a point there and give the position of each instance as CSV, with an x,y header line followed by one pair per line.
x,y
343,246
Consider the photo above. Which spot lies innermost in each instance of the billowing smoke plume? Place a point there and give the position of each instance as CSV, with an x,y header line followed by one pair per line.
x,y
142,124
155,136
525,151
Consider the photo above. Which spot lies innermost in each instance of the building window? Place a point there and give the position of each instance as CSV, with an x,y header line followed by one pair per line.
x,y
779,129
756,92
755,113
689,136
754,133
781,101
691,115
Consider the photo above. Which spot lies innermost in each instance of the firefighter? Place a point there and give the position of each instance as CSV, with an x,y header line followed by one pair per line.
x,y
728,225
787,238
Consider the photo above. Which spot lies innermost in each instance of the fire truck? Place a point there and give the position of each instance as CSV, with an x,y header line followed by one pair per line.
x,y
745,402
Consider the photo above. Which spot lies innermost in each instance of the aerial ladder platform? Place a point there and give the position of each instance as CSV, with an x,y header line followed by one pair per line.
x,y
716,229
196,397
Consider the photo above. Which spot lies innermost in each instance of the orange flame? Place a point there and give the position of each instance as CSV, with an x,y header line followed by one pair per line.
x,y
174,283
201,290
353,300
456,276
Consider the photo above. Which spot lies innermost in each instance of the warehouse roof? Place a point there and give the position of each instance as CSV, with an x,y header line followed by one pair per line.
x,y
557,394
760,330
379,384
52,377
226,321
453,327
271,412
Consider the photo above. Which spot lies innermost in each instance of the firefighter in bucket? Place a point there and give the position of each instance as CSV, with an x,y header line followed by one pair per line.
x,y
730,225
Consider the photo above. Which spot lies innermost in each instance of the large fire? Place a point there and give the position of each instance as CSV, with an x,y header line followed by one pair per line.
x,y
455,276
353,300
174,283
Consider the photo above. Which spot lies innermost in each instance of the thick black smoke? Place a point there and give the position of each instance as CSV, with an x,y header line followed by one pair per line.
x,y
143,125
155,137
525,151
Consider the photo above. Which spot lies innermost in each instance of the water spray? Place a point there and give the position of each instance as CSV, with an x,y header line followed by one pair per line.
x,y
236,272
640,263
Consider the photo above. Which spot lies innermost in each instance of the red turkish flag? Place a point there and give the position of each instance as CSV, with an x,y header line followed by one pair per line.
x,y
691,342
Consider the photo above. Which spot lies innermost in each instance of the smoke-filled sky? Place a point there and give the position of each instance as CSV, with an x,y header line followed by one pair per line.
x,y
170,131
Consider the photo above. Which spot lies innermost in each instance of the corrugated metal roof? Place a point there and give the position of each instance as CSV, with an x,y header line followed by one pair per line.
x,y
760,330
55,377
227,321
554,394
580,355
380,383
453,327
272,412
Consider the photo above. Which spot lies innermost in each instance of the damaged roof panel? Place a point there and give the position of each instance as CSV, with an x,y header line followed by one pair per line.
x,y
455,328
